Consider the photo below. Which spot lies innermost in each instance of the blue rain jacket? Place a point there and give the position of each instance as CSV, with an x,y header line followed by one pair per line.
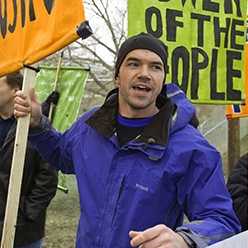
x,y
167,171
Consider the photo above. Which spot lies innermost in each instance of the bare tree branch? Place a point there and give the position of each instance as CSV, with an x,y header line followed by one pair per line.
x,y
93,76
103,44
97,92
104,15
85,53
104,63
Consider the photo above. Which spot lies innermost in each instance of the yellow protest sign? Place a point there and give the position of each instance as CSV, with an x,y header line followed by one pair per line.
x,y
33,29
205,39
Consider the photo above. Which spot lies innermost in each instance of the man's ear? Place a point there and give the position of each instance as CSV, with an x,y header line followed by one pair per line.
x,y
117,84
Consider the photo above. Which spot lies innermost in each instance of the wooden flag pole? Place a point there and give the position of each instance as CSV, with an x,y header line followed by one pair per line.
x,y
17,169
55,85
51,110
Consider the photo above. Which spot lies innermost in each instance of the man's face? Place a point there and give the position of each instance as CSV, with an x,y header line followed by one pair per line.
x,y
6,93
140,81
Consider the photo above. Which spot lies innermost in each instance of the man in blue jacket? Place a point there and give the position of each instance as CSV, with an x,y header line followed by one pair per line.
x,y
139,163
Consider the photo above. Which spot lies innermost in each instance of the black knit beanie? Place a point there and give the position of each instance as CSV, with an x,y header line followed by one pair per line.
x,y
142,41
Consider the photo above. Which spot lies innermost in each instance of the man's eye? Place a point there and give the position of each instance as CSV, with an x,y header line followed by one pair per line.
x,y
157,67
133,64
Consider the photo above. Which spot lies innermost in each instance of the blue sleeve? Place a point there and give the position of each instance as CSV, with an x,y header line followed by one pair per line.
x,y
54,147
207,202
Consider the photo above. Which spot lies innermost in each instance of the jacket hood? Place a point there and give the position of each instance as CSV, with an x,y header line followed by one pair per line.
x,y
185,111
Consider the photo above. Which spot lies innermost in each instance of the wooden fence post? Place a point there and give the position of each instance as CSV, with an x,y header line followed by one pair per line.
x,y
233,143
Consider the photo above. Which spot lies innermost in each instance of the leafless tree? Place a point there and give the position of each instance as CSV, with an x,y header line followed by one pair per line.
x,y
98,52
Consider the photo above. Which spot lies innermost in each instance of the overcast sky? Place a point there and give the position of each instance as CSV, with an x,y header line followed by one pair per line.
x,y
100,29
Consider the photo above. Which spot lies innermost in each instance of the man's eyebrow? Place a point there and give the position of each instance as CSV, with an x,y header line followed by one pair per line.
x,y
155,62
133,58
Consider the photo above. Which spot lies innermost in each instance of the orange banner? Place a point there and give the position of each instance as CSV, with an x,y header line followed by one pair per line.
x,y
238,111
33,29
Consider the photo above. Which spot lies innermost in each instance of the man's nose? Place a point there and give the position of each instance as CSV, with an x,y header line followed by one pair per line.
x,y
144,72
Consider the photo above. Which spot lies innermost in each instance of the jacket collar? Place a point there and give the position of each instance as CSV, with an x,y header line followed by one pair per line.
x,y
104,119
157,132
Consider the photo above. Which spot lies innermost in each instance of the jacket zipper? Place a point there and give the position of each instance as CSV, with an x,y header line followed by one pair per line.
x,y
118,198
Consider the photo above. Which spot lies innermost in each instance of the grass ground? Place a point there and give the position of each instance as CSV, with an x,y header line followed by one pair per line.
x,y
62,218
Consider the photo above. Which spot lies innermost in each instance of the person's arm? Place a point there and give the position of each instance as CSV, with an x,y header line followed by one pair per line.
x,y
203,195
54,147
207,202
44,186
53,98
238,187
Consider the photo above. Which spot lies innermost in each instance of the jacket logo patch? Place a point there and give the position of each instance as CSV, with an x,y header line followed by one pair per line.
x,y
139,186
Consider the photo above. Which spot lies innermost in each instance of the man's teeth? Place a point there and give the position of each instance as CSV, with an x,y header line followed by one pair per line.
x,y
141,87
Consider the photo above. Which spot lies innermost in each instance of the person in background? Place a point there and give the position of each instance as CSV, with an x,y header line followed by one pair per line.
x,y
53,98
140,163
39,181
237,185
